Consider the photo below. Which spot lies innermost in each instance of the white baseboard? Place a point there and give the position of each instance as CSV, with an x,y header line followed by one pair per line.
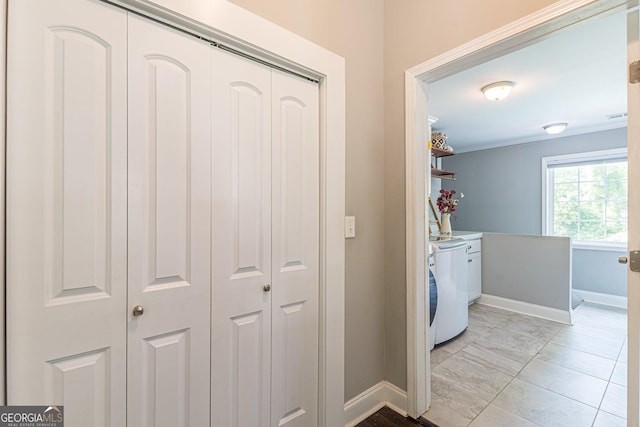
x,y
373,399
529,309
598,298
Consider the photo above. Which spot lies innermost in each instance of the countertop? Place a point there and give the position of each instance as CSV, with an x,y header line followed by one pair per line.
x,y
459,234
467,235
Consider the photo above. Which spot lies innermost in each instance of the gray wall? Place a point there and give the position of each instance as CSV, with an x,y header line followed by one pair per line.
x,y
599,271
532,269
503,193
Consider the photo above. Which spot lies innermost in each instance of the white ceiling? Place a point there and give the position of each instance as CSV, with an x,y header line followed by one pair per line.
x,y
577,76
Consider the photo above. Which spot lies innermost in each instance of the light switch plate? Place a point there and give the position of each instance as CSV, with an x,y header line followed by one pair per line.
x,y
349,227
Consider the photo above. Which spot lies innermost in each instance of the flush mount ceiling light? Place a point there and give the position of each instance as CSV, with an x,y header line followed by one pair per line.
x,y
555,128
497,91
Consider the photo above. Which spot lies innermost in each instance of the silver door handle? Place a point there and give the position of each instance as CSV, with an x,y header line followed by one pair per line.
x,y
622,259
266,287
138,310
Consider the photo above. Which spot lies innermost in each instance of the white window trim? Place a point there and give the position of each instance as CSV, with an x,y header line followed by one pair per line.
x,y
615,153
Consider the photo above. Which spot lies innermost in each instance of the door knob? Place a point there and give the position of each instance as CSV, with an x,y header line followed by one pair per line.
x,y
138,310
622,259
266,287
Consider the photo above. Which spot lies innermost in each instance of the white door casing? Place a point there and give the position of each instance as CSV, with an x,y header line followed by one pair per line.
x,y
169,227
241,212
295,251
633,158
3,162
66,219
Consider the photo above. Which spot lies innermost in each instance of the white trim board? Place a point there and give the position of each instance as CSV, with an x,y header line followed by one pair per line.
x,y
372,400
600,298
529,309
525,31
3,56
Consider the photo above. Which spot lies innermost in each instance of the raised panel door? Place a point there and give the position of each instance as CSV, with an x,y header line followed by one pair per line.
x,y
241,221
295,254
169,227
67,207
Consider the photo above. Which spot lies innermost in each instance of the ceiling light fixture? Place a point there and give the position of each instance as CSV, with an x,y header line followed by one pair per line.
x,y
555,128
497,91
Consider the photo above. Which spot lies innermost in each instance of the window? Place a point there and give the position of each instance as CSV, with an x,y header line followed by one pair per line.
x,y
585,197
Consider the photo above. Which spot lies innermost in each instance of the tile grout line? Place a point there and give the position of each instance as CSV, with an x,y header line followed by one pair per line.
x,y
570,398
549,340
501,326
513,378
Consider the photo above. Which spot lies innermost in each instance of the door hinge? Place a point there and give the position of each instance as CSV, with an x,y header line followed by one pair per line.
x,y
634,72
634,257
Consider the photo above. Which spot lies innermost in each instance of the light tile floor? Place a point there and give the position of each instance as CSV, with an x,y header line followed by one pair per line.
x,y
512,370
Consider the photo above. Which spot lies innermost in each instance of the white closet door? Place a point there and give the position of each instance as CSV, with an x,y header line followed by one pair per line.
x,y
241,310
169,227
67,204
295,251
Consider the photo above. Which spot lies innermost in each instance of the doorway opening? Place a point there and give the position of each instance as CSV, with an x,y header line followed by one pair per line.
x,y
419,79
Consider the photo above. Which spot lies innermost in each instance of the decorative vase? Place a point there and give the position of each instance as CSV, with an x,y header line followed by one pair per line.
x,y
439,140
445,224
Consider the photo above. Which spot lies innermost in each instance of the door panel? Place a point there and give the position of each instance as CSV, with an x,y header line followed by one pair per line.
x,y
67,379
66,218
165,361
167,178
241,309
295,255
76,173
169,227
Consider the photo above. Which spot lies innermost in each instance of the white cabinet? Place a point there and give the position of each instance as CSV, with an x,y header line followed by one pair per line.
x,y
474,254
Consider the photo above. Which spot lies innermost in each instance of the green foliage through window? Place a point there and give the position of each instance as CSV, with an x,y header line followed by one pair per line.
x,y
588,201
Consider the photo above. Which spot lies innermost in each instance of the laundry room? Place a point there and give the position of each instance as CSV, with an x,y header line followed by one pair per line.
x,y
528,228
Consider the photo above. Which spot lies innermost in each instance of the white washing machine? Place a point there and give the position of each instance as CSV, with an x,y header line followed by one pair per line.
x,y
450,271
433,299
